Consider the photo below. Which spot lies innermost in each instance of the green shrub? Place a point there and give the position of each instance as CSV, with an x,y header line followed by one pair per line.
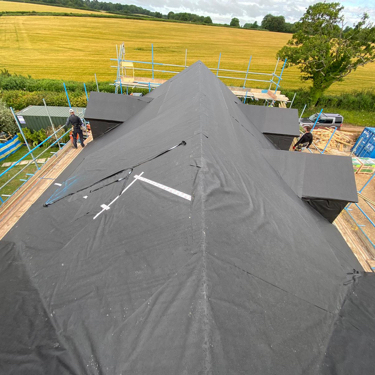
x,y
18,82
18,99
33,137
7,123
356,101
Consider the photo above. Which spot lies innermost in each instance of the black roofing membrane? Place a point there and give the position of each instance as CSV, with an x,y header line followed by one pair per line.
x,y
244,278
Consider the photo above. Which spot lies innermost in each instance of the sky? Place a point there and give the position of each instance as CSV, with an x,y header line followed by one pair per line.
x,y
249,11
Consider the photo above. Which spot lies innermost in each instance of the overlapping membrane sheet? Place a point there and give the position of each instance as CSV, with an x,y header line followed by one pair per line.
x,y
228,273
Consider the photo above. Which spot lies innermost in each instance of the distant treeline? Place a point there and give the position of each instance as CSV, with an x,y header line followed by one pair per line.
x,y
189,17
94,5
120,9
269,22
272,23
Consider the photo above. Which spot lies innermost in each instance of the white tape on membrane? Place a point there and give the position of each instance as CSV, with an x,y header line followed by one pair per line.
x,y
166,188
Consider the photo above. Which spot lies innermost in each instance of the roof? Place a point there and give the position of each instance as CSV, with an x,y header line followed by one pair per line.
x,y
273,120
316,176
54,111
330,114
117,108
173,246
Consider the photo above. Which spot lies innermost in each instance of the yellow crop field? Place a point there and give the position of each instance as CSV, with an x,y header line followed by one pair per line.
x,y
8,6
76,48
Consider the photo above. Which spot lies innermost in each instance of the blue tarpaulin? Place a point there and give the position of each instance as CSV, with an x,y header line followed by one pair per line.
x,y
9,147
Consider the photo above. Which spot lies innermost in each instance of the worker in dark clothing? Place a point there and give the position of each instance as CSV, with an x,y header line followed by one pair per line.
x,y
76,123
305,140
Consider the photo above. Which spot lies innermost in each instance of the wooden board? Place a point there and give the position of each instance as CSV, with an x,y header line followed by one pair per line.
x,y
339,141
371,263
13,209
353,241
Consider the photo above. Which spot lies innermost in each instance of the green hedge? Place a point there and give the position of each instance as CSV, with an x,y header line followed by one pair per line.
x,y
35,137
19,92
18,82
356,100
19,99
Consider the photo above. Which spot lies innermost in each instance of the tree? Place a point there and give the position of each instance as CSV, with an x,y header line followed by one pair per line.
x,y
289,28
7,123
235,22
251,25
273,23
324,51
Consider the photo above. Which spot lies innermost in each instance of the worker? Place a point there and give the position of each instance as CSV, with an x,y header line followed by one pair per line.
x,y
76,123
305,140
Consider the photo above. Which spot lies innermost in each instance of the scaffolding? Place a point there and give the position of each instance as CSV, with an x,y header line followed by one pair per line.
x,y
129,74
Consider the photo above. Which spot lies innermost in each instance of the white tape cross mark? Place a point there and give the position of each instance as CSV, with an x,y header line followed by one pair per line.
x,y
105,207
160,186
166,188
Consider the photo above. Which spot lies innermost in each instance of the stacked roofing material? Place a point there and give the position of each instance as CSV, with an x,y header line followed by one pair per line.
x,y
174,246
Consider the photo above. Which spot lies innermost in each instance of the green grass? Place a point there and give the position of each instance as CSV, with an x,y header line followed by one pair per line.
x,y
352,117
14,184
358,118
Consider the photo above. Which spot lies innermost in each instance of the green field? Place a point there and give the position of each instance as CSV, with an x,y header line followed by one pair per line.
x,y
72,48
